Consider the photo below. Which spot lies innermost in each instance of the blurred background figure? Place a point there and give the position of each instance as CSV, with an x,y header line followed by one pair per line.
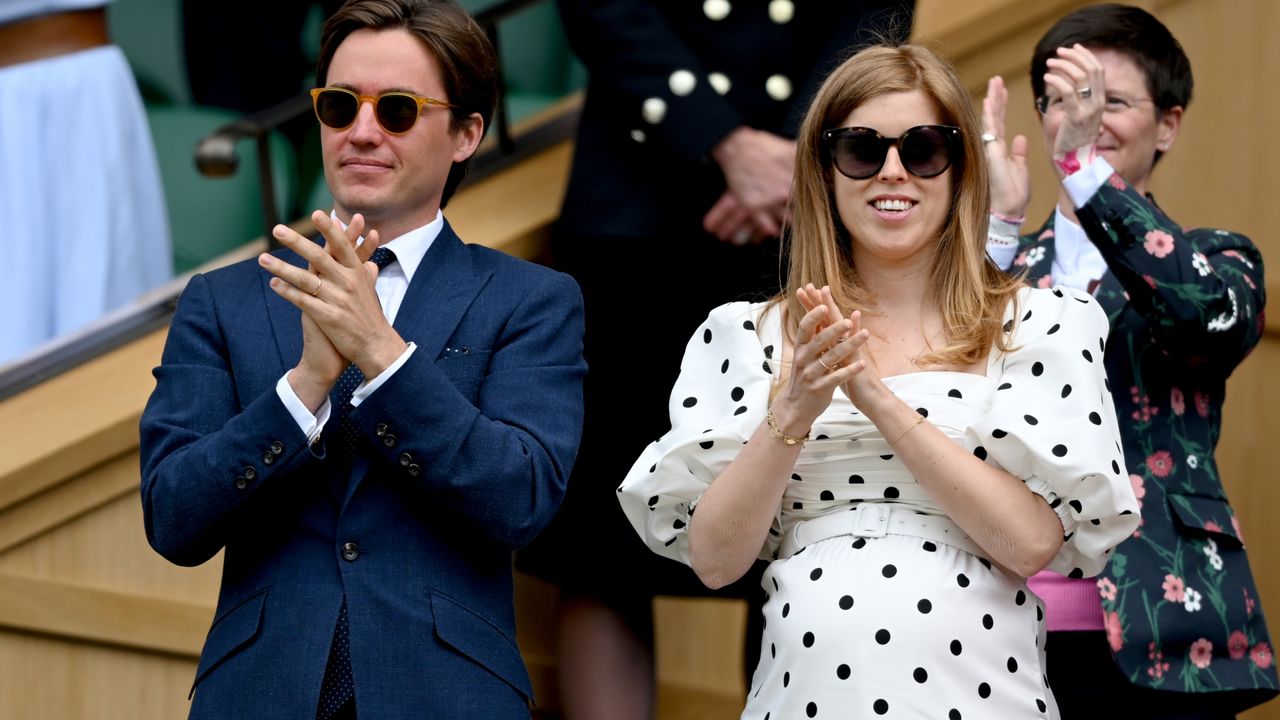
x,y
1172,629
78,175
682,166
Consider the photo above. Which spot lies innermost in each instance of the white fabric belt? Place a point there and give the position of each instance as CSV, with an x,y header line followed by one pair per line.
x,y
875,519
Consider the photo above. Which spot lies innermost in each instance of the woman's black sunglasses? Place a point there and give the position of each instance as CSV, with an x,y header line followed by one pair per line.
x,y
924,150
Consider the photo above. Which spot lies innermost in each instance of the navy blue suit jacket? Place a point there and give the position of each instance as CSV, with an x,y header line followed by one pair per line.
x,y
464,455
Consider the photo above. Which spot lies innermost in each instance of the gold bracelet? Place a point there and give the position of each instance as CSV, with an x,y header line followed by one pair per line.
x,y
912,426
776,431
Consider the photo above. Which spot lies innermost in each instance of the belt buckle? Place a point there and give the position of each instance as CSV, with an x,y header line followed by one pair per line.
x,y
871,520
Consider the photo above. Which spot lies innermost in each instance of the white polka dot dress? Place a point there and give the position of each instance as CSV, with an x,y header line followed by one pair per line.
x,y
895,625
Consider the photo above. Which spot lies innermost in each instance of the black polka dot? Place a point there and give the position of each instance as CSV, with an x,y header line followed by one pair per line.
x,y
808,639
954,393
768,351
811,709
1040,705
678,524
1087,355
843,672
740,410
786,679
786,609
984,691
921,675
1066,390
1075,505
980,453
706,336
1012,665
955,648
1115,467
796,477
748,325
797,505
855,479
1027,316
766,367
887,457
891,492
817,573
962,580
736,394
1095,418
1059,450
707,444
653,500
859,543
724,366
882,636
1031,419
846,602
988,622
828,495
1020,598
1005,386
881,706
924,606
1037,369
929,547
690,402
889,570
1008,325
924,412
773,650
954,714
1039,613
998,433
1053,329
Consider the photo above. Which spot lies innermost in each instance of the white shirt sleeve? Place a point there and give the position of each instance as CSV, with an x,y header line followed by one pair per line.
x,y
1082,184
310,425
366,388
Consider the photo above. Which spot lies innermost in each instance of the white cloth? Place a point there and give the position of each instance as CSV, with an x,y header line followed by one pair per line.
x,y
80,184
11,10
1076,260
391,286
1021,416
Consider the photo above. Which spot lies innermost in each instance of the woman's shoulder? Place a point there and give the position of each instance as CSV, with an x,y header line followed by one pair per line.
x,y
1044,312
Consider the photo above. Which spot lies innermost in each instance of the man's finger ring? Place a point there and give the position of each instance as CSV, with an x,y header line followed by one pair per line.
x,y
830,368
319,284
1085,92
988,138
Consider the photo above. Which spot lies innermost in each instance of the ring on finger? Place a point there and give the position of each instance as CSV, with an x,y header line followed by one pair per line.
x,y
1085,92
830,368
988,138
319,284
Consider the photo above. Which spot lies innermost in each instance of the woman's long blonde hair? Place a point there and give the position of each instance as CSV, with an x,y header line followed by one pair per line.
x,y
970,291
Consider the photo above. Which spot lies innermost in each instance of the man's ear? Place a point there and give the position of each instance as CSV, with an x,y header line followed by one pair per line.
x,y
468,137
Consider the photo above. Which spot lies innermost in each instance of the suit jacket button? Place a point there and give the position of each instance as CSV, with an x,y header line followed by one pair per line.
x,y
389,440
268,458
414,470
350,551
380,429
277,447
241,482
405,459
249,473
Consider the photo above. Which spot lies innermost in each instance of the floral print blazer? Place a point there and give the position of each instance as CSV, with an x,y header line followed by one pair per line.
x,y
1186,306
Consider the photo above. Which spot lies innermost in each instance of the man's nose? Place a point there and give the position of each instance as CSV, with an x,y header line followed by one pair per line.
x,y
365,128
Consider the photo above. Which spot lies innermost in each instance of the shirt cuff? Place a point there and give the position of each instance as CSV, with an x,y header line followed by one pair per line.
x,y
310,425
367,388
1002,242
1086,182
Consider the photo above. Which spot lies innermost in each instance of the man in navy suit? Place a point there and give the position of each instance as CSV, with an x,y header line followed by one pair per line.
x,y
369,435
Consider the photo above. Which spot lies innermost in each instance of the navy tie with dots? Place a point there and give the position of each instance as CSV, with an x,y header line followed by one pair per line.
x,y
337,690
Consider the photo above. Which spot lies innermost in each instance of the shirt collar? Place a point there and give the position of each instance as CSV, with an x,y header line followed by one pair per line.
x,y
412,246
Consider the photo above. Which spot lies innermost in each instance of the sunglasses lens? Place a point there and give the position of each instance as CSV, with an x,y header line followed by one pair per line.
x,y
925,151
336,109
858,153
397,113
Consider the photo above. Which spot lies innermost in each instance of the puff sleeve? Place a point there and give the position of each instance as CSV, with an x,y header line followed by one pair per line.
x,y
718,401
1052,423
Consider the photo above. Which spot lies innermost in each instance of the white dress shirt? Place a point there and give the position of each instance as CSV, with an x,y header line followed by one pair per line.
x,y
392,284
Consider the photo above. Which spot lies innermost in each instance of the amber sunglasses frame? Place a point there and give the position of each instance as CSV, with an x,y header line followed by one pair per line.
x,y
374,100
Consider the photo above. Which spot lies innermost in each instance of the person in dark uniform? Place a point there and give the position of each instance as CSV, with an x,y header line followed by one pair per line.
x,y
682,167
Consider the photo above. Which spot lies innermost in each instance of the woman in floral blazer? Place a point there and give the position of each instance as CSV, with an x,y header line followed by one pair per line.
x,y
1172,628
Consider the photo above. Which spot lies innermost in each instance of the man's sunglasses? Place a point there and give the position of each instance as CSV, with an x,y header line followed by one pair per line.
x,y
925,150
397,112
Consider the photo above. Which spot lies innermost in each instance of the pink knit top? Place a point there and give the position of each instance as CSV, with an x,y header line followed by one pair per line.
x,y
1069,604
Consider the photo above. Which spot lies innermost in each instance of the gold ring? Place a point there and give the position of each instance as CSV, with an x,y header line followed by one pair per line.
x,y
319,284
830,368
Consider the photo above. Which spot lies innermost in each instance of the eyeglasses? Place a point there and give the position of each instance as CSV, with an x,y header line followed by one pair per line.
x,y
925,150
1115,103
397,112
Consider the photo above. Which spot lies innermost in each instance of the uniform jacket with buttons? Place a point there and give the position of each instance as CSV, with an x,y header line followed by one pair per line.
x,y
669,79
463,455
1179,601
